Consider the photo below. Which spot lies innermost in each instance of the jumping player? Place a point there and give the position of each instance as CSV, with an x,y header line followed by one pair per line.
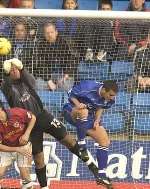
x,y
19,90
87,101
15,127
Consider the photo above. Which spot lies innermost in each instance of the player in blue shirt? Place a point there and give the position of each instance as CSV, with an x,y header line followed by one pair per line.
x,y
87,101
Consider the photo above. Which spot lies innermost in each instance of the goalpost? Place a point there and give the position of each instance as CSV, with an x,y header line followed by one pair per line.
x,y
92,45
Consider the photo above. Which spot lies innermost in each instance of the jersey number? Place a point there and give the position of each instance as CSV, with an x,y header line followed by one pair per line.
x,y
56,123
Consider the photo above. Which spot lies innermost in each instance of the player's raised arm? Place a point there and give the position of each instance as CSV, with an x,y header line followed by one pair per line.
x,y
25,137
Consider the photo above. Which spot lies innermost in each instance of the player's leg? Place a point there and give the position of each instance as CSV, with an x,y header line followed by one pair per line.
x,y
38,155
54,127
5,162
101,137
78,118
25,176
24,165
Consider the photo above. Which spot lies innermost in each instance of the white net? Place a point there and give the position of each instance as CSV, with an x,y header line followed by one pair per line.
x,y
60,51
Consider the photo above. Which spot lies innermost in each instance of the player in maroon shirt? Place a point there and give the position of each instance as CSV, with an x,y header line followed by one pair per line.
x,y
16,125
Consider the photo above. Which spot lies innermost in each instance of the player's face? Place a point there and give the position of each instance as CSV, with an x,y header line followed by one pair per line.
x,y
70,4
50,34
109,95
14,73
106,7
20,31
137,4
27,4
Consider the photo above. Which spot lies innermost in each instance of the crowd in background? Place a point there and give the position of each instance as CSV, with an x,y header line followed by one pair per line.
x,y
55,47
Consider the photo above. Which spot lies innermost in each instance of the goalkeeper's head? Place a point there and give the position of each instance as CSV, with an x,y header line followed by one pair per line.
x,y
13,67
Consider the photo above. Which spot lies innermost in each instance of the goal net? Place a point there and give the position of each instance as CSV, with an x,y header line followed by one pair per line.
x,y
61,48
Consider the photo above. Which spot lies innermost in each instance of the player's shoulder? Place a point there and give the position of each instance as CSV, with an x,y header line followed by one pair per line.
x,y
91,84
16,111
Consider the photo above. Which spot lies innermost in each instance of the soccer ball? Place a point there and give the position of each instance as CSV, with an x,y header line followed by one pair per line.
x,y
5,46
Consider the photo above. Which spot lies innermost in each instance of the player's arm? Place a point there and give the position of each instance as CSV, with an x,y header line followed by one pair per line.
x,y
6,88
24,150
77,103
98,116
75,93
25,137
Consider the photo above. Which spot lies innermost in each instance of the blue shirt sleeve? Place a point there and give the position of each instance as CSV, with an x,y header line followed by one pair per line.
x,y
83,88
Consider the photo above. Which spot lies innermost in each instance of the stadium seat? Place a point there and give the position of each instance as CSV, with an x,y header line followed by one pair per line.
x,y
122,67
96,71
141,102
88,4
51,99
142,123
122,103
121,70
48,4
113,122
120,5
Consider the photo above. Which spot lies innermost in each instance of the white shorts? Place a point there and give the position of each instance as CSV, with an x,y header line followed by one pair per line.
x,y
7,158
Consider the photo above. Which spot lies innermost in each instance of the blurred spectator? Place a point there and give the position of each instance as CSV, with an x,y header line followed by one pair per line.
x,y
14,3
70,4
105,5
3,4
22,43
68,26
5,26
137,5
142,69
27,4
132,34
54,60
102,40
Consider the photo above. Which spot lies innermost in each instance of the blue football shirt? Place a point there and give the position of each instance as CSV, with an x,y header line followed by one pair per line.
x,y
87,92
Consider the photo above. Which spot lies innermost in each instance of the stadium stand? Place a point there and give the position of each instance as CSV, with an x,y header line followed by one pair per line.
x,y
110,123
142,123
97,70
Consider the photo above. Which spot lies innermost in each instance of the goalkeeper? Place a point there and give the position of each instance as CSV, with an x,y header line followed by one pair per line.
x,y
87,101
15,128
18,88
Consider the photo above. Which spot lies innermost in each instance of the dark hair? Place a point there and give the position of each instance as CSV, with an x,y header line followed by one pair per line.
x,y
64,1
109,2
110,85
